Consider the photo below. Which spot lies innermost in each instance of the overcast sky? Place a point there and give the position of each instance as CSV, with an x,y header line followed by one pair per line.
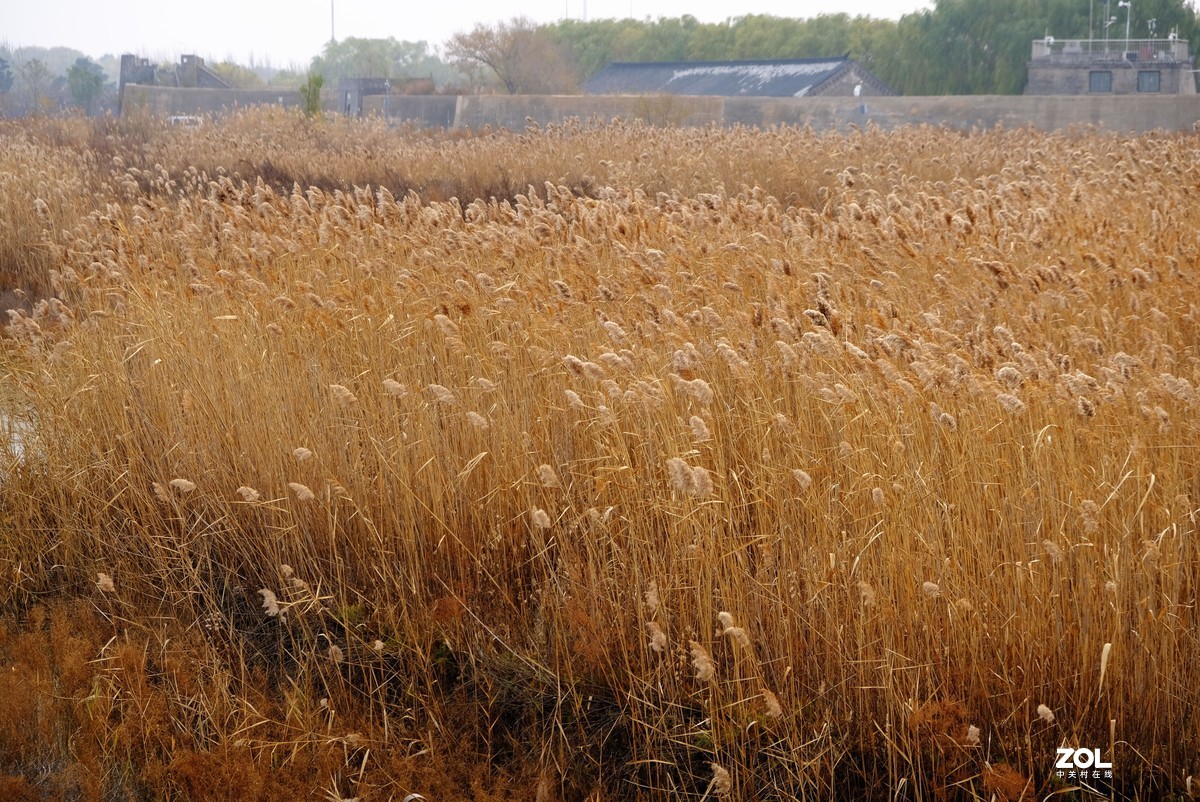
x,y
290,32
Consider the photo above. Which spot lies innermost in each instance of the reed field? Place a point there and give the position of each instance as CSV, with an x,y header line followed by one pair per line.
x,y
597,462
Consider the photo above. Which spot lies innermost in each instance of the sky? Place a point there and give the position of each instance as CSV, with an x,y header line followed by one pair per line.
x,y
286,33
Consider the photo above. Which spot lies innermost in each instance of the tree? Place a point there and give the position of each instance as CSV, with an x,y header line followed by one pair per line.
x,y
310,92
36,79
524,58
237,76
6,76
85,79
982,47
355,57
289,79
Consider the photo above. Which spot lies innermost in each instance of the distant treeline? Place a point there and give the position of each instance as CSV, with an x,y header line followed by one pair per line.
x,y
967,47
958,47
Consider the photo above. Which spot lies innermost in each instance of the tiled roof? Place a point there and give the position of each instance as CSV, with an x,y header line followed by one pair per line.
x,y
784,78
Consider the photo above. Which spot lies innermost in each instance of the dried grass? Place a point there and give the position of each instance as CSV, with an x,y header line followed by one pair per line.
x,y
929,432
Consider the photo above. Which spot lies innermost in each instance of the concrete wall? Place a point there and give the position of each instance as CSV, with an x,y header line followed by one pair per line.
x,y
1121,113
1129,113
1072,79
169,100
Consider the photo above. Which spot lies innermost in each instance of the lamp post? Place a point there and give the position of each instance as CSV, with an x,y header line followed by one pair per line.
x,y
1108,21
1128,5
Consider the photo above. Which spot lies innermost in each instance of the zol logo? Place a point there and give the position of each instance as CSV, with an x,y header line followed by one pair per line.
x,y
1082,764
1080,759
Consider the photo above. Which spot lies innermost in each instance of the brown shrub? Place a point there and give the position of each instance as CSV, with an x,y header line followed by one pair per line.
x,y
1006,784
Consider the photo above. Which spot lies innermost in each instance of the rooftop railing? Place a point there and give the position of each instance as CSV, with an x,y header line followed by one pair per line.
x,y
1068,51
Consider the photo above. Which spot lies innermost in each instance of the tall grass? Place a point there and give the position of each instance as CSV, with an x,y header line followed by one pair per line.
x,y
753,464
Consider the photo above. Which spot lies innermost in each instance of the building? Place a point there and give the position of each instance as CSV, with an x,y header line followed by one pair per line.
x,y
191,72
810,77
1110,67
351,92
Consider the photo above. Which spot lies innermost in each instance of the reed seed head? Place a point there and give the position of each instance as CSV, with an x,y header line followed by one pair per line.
x,y
547,476
448,327
1011,403
1053,551
681,475
270,603
701,483
658,638
738,636
342,394
1009,376
442,395
771,702
301,492
721,783
866,593
802,478
706,670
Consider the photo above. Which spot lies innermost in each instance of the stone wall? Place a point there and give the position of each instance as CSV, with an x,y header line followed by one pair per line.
x,y
1125,114
169,100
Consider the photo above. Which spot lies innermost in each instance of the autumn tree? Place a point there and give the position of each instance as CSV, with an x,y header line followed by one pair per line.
x,y
36,78
524,58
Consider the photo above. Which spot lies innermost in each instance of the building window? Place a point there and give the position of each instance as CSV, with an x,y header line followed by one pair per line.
x,y
1148,80
1100,81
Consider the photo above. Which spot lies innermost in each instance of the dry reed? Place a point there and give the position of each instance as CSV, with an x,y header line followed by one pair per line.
x,y
920,407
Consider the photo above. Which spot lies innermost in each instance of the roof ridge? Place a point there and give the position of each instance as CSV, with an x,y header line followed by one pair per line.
x,y
730,62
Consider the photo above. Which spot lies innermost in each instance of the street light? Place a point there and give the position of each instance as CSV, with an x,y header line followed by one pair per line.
x,y
1108,21
1128,6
